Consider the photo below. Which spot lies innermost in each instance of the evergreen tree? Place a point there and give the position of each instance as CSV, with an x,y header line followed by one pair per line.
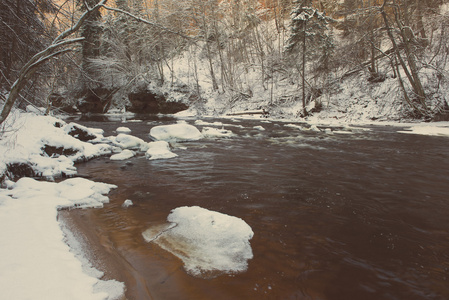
x,y
309,36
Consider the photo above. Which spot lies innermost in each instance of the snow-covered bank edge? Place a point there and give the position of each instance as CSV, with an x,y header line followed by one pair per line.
x,y
41,258
37,262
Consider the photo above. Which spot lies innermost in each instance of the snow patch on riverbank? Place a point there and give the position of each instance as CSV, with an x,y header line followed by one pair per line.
x,y
36,261
44,144
433,129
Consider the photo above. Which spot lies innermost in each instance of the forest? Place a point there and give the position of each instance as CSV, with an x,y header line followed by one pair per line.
x,y
215,56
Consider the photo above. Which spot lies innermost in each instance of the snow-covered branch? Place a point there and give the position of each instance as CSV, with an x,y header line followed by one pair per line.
x,y
146,21
38,59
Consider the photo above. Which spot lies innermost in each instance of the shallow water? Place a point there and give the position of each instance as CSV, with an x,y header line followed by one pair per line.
x,y
342,216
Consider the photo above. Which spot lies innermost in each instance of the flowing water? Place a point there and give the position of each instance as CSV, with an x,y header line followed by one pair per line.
x,y
335,216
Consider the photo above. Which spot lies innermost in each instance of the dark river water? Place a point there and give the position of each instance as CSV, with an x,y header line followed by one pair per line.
x,y
335,216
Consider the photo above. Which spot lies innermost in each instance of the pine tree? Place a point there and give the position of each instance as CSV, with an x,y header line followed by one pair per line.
x,y
309,36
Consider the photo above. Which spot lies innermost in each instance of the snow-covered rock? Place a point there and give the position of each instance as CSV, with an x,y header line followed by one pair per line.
x,y
83,133
123,130
209,243
127,203
125,154
295,126
204,123
159,150
176,132
210,132
45,145
127,141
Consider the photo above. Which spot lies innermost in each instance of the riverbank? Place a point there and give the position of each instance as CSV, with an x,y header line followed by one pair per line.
x,y
37,262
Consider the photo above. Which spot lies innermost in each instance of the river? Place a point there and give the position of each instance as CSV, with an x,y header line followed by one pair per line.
x,y
358,214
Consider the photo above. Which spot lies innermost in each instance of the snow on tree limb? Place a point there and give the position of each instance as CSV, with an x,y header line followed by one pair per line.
x,y
38,59
146,21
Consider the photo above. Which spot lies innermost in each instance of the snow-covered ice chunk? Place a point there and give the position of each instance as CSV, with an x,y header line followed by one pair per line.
x,y
159,150
127,141
209,243
127,203
343,132
123,130
295,126
259,128
176,132
125,154
210,132
204,123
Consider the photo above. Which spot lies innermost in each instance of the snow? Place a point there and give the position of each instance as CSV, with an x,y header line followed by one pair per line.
x,y
27,136
204,123
186,113
125,154
127,141
209,243
441,129
210,132
95,133
180,132
127,203
159,150
36,261
123,130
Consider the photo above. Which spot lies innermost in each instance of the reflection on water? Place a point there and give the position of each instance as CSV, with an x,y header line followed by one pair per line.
x,y
335,216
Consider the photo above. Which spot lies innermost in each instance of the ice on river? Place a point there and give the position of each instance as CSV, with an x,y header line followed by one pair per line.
x,y
176,132
36,262
123,130
159,150
125,154
210,132
127,141
209,243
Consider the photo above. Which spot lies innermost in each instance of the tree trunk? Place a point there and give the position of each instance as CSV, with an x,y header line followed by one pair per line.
x,y
411,74
304,110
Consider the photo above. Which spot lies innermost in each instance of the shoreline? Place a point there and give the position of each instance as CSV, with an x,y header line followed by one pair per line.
x,y
88,247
